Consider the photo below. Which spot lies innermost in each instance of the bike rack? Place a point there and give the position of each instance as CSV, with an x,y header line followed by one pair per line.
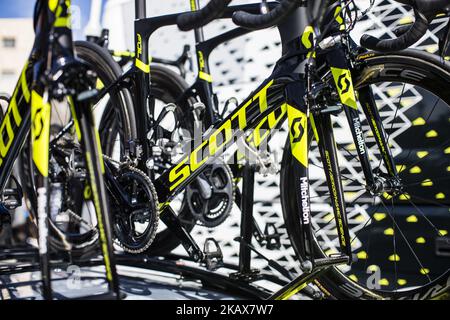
x,y
27,261
238,282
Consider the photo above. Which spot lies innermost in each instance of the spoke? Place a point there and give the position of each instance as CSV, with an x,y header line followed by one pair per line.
x,y
428,220
394,244
428,179
406,240
342,175
352,156
426,120
354,200
428,200
324,226
367,222
367,245
357,232
422,159
392,125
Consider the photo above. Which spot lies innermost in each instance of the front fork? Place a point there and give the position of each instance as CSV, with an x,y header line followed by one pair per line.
x,y
327,147
322,127
40,135
328,153
299,117
369,106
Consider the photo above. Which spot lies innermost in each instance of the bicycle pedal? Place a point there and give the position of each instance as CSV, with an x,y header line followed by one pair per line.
x,y
272,237
212,254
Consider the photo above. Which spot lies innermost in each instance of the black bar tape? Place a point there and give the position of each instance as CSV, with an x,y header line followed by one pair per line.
x,y
191,20
407,39
262,21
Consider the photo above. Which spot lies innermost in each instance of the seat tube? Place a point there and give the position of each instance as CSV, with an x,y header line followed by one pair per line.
x,y
199,35
140,9
142,79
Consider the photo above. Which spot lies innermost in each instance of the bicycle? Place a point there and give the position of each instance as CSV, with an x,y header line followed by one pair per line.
x,y
53,78
169,89
326,93
431,75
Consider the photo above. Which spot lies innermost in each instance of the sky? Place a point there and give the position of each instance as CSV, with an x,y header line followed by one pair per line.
x,y
25,8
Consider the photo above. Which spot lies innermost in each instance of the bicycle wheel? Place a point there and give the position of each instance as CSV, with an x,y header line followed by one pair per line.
x,y
73,226
395,238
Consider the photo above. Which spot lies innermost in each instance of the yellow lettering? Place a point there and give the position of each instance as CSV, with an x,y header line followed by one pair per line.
x,y
195,164
242,116
10,135
179,173
213,147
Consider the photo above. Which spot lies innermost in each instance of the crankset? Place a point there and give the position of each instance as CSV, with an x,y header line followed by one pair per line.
x,y
210,197
134,205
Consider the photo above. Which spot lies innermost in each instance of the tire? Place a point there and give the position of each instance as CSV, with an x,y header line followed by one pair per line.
x,y
119,103
168,87
410,67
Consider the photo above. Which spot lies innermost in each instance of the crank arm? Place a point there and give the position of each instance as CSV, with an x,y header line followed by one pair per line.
x,y
173,224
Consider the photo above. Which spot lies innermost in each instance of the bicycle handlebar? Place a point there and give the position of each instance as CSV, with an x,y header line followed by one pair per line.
x,y
262,21
192,20
424,12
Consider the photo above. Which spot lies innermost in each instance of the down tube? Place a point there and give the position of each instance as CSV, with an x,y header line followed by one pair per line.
x,y
15,125
267,101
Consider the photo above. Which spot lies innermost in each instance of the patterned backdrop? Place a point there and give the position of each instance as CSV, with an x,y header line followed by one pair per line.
x,y
238,67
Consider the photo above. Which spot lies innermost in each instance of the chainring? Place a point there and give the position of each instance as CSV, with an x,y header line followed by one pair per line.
x,y
136,223
210,196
